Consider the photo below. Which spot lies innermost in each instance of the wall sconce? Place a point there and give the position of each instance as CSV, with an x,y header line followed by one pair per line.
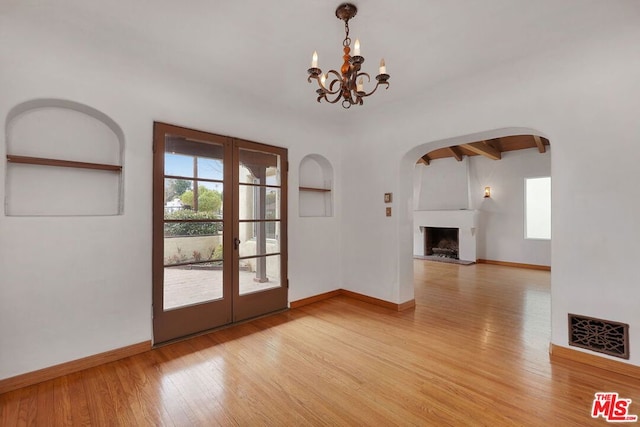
x,y
487,192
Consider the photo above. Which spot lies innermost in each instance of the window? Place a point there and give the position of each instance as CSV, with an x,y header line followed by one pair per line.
x,y
538,208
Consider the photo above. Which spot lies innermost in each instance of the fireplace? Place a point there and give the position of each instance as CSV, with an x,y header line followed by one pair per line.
x,y
464,220
441,241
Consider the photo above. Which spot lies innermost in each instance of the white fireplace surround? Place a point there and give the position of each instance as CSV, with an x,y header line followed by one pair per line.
x,y
464,220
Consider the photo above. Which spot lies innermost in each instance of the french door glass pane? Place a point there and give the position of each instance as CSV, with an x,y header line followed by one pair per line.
x,y
193,159
259,274
178,165
180,195
257,167
206,197
174,192
257,202
210,168
181,247
260,238
191,284
193,268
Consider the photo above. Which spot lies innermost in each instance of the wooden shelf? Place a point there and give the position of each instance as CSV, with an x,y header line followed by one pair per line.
x,y
62,163
319,190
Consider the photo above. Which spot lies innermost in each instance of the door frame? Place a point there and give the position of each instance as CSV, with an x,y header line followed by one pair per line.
x,y
197,318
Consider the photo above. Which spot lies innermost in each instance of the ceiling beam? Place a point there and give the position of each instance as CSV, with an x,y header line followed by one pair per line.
x,y
424,160
539,143
483,149
455,151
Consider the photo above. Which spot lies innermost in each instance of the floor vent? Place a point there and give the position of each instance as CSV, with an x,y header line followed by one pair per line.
x,y
599,335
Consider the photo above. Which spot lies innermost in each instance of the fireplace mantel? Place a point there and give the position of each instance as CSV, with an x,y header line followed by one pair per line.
x,y
465,220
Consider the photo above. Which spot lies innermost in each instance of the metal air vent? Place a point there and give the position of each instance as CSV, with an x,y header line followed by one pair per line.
x,y
603,336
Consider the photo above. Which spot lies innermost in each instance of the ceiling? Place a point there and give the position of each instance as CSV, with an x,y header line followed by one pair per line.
x,y
490,148
259,51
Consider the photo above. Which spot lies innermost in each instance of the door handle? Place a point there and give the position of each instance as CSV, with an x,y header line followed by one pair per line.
x,y
236,243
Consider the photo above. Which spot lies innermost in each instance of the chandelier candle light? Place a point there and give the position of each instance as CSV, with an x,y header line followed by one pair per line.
x,y
348,84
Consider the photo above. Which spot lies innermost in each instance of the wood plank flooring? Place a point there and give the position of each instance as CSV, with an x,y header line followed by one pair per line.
x,y
473,352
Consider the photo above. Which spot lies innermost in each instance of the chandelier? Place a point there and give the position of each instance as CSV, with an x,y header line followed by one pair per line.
x,y
348,84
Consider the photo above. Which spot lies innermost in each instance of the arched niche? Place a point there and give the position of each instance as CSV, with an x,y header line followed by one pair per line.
x,y
316,182
63,159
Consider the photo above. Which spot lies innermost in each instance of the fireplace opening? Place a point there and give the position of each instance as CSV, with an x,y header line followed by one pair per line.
x,y
441,242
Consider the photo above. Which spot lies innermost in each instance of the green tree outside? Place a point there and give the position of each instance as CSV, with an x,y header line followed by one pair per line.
x,y
176,188
208,200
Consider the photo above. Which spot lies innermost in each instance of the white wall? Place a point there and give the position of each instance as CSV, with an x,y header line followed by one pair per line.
x,y
443,184
76,286
584,97
501,217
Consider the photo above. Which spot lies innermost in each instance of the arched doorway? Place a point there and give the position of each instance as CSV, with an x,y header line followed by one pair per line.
x,y
407,229
486,201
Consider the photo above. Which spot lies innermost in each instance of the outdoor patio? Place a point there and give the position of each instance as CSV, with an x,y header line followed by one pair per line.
x,y
183,286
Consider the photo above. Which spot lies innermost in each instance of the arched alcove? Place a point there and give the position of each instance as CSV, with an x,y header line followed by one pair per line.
x,y
63,159
315,185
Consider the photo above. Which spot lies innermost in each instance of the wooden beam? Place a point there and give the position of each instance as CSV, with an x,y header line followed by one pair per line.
x,y
455,151
483,149
425,160
539,143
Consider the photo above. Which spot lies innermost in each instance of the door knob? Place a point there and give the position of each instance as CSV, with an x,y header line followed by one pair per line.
x,y
236,243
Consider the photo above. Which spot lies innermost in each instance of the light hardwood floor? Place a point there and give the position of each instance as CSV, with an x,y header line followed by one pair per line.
x,y
473,352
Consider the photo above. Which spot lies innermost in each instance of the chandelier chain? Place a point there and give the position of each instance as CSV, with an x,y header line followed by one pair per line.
x,y
347,39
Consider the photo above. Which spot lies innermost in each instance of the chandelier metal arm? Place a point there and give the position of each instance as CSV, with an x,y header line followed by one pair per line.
x,y
336,99
311,76
386,84
337,80
325,90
